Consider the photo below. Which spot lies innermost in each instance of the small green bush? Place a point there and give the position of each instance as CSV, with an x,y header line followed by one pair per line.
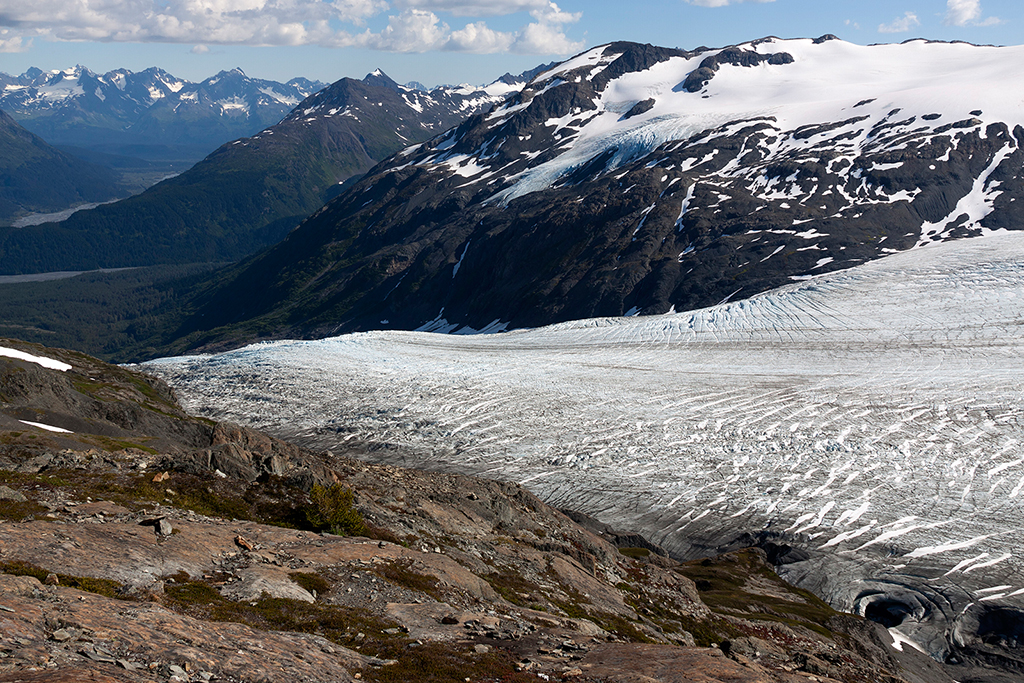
x,y
332,510
401,574
311,582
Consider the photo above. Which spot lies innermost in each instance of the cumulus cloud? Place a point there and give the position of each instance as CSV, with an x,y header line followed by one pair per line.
x,y
12,42
416,28
721,3
473,8
545,35
478,38
199,50
967,13
901,24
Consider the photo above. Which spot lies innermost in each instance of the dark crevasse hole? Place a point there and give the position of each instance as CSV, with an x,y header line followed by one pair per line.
x,y
888,613
1002,626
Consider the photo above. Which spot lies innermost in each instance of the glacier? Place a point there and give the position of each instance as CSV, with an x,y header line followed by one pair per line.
x,y
867,423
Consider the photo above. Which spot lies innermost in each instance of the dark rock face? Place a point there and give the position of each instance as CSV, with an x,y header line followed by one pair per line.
x,y
699,78
471,229
108,407
91,398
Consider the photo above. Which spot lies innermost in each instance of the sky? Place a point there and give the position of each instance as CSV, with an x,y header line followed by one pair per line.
x,y
445,41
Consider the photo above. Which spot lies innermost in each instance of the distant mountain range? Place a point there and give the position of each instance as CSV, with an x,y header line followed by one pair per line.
x,y
149,115
36,177
636,179
251,192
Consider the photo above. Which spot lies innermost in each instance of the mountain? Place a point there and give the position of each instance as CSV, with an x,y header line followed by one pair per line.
x,y
251,192
151,114
35,177
140,543
638,179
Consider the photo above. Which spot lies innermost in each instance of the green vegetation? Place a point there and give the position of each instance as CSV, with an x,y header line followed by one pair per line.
x,y
400,573
342,625
270,502
17,511
514,587
635,553
35,177
445,663
117,316
741,584
520,591
314,583
109,444
236,201
105,587
332,510
354,628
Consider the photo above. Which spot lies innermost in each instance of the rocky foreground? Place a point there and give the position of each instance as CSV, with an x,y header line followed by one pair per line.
x,y
138,543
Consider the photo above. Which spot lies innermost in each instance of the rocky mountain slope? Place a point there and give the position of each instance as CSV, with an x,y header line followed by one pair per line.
x,y
251,192
35,176
151,114
633,179
141,544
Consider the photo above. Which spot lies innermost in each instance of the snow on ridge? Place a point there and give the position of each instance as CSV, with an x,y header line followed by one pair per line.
x,y
38,360
289,100
594,57
827,82
233,104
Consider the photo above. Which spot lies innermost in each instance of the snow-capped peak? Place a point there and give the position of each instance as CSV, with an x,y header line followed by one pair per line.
x,y
795,83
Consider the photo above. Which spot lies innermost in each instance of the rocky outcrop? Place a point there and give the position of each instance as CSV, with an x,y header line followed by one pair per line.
x,y
703,74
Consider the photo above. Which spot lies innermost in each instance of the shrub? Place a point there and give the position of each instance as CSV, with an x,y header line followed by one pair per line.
x,y
332,510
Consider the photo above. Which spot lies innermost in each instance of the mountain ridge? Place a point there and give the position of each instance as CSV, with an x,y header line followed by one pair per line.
x,y
610,185
149,114
249,193
36,177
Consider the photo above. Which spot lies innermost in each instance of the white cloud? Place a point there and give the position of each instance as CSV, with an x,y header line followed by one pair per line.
x,y
12,42
416,28
721,3
411,31
478,38
967,13
473,8
901,24
545,36
199,50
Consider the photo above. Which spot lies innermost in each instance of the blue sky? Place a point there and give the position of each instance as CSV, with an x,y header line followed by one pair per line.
x,y
445,41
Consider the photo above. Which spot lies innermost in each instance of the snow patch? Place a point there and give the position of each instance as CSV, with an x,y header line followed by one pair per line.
x,y
38,360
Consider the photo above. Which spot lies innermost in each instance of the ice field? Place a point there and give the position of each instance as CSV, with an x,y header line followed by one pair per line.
x,y
871,417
